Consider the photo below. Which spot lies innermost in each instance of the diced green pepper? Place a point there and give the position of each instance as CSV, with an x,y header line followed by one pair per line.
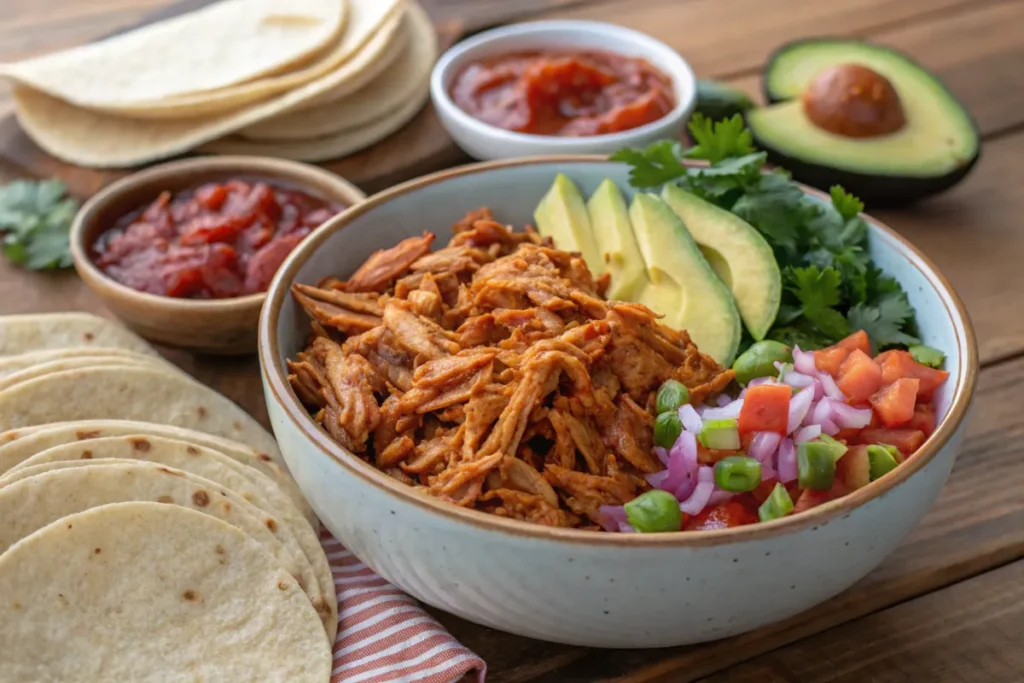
x,y
720,435
737,474
667,428
815,465
671,396
759,360
654,511
926,355
880,461
777,504
836,447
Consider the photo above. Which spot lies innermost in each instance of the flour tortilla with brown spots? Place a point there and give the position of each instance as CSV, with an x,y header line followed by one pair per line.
x,y
74,363
129,393
48,331
248,482
33,502
150,593
24,361
17,445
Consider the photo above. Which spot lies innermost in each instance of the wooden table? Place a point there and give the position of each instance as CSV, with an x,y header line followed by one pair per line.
x,y
948,605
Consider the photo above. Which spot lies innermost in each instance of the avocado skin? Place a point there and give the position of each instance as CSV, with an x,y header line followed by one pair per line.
x,y
875,190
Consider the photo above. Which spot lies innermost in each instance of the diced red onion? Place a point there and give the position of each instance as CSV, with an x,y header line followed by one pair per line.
x,y
692,422
742,393
701,492
798,407
718,496
763,446
822,411
829,427
803,361
612,516
662,455
797,379
767,471
700,409
677,470
685,448
819,390
831,388
847,417
807,434
657,479
626,528
728,412
723,400
787,461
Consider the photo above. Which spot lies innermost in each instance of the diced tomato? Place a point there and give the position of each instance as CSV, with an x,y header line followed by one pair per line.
x,y
728,514
709,456
831,359
897,364
854,468
764,489
857,340
859,377
212,196
894,404
765,409
809,498
906,440
923,419
847,435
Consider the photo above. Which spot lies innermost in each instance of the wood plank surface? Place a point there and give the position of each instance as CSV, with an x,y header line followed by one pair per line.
x,y
967,634
976,524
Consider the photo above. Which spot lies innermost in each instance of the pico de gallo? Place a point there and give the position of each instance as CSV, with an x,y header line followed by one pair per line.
x,y
807,427
216,241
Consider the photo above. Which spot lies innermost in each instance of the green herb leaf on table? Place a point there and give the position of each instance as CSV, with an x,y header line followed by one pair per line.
x,y
831,287
35,218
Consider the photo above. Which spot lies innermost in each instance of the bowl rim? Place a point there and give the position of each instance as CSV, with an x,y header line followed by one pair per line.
x,y
295,172
674,65
275,378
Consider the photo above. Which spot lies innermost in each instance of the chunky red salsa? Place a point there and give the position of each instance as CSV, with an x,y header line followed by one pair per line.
x,y
217,241
565,94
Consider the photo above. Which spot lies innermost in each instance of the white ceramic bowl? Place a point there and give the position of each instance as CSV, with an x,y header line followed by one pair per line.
x,y
582,587
484,141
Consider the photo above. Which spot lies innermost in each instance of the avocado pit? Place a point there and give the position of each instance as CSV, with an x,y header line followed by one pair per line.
x,y
853,101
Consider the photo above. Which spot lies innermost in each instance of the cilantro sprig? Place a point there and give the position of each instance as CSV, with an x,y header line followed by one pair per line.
x,y
35,218
830,285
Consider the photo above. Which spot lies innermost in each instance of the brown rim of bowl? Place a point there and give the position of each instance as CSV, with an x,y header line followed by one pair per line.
x,y
272,368
270,168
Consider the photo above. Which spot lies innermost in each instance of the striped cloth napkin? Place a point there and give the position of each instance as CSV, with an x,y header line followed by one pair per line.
x,y
384,636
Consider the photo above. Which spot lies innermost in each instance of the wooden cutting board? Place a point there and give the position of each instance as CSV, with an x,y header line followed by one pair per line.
x,y
420,147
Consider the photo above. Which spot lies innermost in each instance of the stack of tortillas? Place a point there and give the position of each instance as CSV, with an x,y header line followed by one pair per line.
x,y
304,79
148,529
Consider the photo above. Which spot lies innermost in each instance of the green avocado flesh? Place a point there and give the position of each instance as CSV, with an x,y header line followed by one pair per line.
x,y
562,216
939,138
683,286
616,243
739,255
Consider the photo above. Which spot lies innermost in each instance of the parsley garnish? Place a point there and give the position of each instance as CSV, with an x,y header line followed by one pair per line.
x,y
35,217
830,286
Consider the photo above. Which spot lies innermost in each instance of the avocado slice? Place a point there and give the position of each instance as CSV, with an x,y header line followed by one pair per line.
x,y
924,141
683,287
737,253
562,216
616,243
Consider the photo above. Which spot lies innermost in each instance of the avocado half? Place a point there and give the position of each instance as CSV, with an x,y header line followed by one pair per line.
x,y
936,147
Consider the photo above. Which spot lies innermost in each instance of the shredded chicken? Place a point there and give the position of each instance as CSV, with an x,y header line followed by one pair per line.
x,y
493,374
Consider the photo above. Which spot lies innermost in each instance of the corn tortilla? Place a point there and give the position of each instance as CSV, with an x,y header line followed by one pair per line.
x,y
221,45
91,139
170,594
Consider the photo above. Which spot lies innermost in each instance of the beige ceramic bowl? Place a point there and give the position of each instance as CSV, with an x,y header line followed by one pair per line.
x,y
584,587
220,326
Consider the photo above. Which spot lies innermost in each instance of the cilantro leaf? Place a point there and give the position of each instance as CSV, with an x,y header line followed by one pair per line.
x,y
653,166
884,319
35,218
773,206
819,291
718,141
845,203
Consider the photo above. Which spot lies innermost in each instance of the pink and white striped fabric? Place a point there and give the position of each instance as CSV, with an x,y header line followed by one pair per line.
x,y
384,636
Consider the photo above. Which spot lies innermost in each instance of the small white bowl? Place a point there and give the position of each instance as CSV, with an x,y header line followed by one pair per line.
x,y
486,142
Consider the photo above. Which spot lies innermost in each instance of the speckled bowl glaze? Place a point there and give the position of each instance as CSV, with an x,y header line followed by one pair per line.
x,y
578,587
